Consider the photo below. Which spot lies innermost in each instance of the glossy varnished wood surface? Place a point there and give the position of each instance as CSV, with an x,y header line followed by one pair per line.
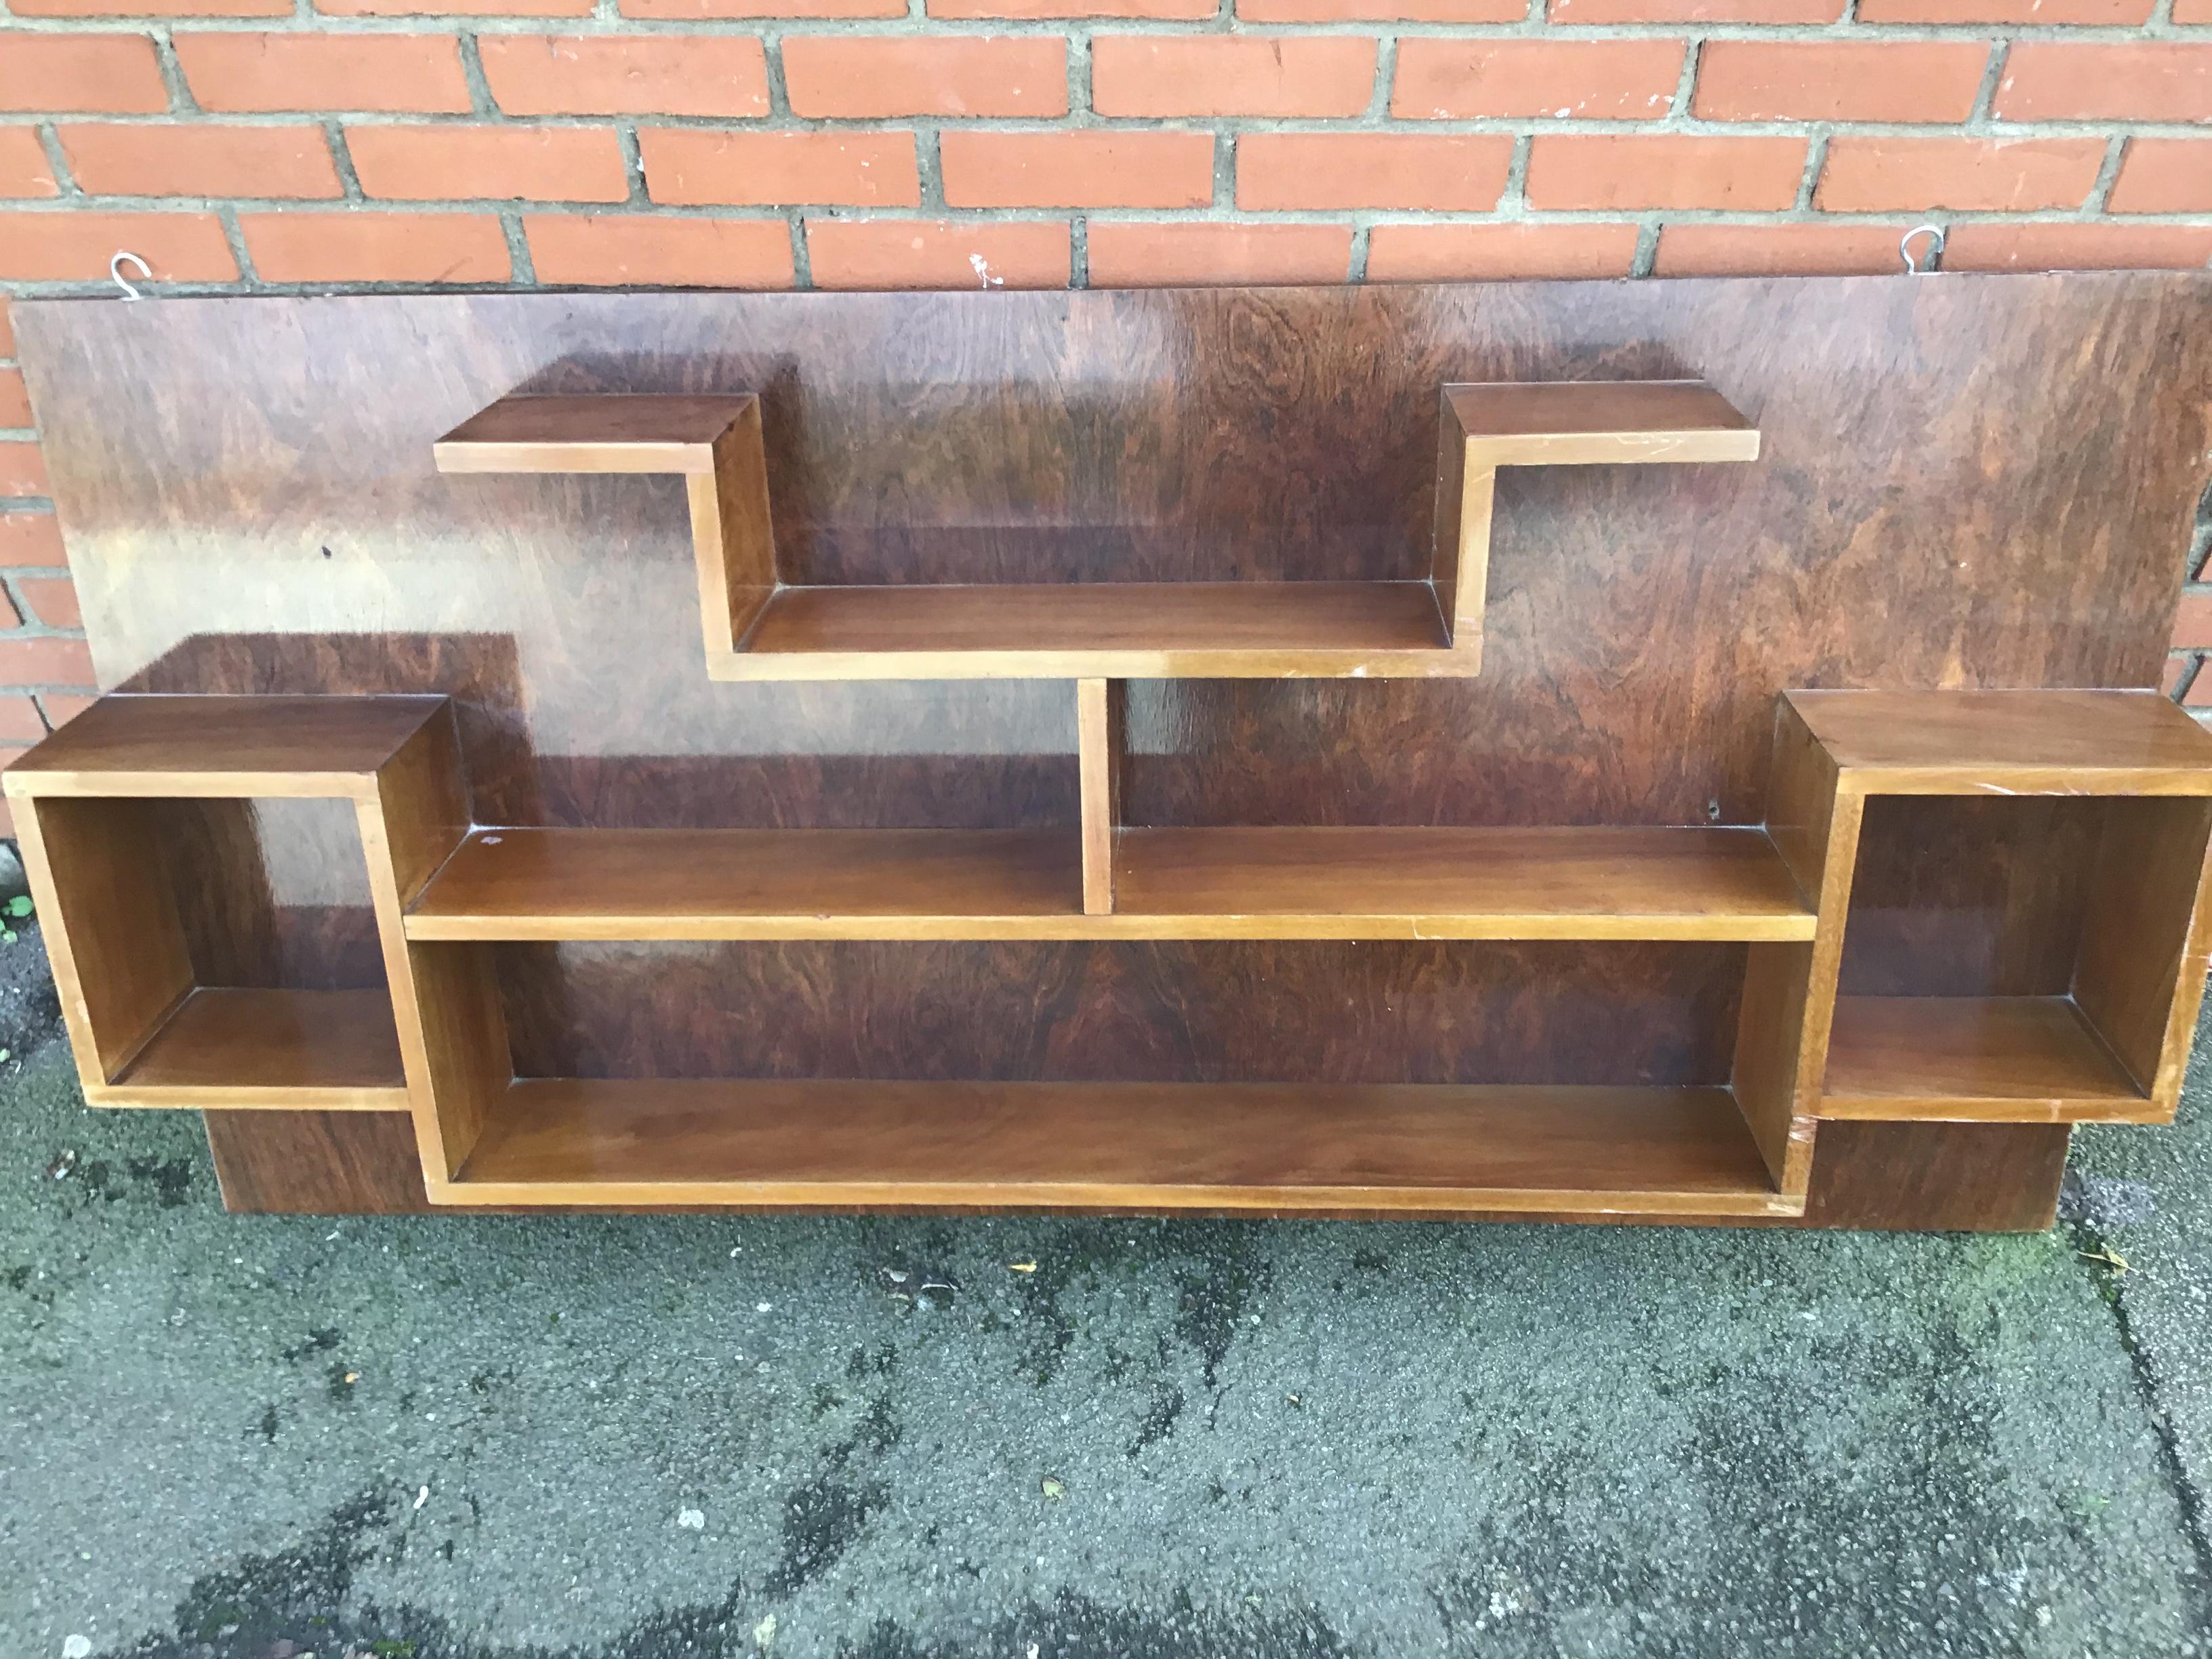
x,y
1458,883
591,435
2010,742
1597,423
1114,629
1592,884
1118,1146
1640,618
222,746
234,1049
756,884
2017,1060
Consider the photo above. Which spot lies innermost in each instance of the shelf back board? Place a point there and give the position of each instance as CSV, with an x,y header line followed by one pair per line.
x,y
1962,481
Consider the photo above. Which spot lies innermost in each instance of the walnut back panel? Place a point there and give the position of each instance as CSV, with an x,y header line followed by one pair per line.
x,y
1963,482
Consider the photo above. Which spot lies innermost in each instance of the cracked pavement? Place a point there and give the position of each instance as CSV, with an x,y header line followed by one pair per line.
x,y
633,1437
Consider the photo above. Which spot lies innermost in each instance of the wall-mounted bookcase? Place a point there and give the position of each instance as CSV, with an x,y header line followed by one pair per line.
x,y
450,895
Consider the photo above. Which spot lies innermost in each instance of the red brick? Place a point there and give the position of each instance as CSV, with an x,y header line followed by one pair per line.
x,y
2192,11
1456,173
75,246
2052,81
1461,253
921,253
20,720
105,74
23,170
2178,670
1694,11
866,76
60,708
2192,626
1102,169
1158,10
7,329
194,8
11,614
1839,80
416,74
2092,245
1781,250
1871,175
1125,255
14,400
52,600
690,167
201,160
1231,75
1594,79
45,662
626,74
530,164
617,250
688,10
376,247
1663,170
22,468
2116,13
455,8
1382,11
2163,175
30,539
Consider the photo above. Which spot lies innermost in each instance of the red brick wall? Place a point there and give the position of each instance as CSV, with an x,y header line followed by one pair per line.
x,y
258,145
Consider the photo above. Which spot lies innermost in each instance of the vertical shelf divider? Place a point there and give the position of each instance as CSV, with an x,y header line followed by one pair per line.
x,y
1098,707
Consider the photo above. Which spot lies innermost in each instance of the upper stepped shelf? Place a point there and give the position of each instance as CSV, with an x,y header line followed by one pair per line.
x,y
1419,1148
759,628
1596,884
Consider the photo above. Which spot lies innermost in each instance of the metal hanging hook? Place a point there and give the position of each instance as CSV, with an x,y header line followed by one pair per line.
x,y
115,273
1935,249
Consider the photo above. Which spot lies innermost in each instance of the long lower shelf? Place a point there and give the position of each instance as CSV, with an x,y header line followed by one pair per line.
x,y
1393,883
227,1048
1135,630
2002,1059
1276,1148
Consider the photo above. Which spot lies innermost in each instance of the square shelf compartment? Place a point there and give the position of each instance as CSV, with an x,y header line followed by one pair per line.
x,y
2025,939
178,849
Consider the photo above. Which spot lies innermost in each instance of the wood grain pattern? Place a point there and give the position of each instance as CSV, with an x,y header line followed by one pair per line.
x,y
593,434
2147,939
1938,1177
235,1048
1118,1147
1098,748
2014,1059
169,746
2010,742
317,1162
1640,618
1409,884
1275,630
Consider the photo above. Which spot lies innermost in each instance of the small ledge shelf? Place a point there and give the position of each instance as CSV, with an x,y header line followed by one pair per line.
x,y
1224,884
1279,1149
756,627
2011,1059
227,1048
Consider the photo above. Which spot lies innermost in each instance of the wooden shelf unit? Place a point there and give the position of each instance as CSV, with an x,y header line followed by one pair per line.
x,y
2112,1047
758,627
447,893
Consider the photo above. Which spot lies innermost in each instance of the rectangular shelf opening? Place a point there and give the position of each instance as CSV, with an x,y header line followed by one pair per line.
x,y
1279,1149
2017,1059
1217,883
